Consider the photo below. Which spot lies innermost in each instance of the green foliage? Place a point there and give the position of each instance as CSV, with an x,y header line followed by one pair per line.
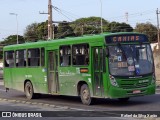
x,y
82,26
42,30
149,29
119,27
12,39
88,25
93,25
64,30
33,32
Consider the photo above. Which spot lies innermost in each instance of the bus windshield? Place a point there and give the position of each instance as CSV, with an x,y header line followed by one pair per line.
x,y
130,60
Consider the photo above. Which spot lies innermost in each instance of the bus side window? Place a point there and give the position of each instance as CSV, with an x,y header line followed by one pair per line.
x,y
34,57
9,59
80,54
21,58
65,55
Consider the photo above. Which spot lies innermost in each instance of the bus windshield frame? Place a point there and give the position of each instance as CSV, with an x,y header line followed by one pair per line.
x,y
130,59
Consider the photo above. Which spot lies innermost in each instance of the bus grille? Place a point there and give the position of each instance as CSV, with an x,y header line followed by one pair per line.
x,y
133,83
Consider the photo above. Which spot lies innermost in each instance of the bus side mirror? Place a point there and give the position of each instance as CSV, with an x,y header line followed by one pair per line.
x,y
106,52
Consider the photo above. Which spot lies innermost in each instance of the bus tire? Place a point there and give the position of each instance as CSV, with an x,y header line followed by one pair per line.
x,y
85,95
123,99
29,90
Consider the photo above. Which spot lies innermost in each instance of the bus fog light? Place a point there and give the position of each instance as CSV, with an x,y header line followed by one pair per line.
x,y
113,81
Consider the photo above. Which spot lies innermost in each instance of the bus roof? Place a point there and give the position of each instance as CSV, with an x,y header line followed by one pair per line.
x,y
67,40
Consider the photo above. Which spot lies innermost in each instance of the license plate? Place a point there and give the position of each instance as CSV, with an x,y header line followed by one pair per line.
x,y
136,91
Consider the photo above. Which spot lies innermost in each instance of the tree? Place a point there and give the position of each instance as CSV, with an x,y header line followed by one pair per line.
x,y
119,27
42,30
88,25
149,29
63,30
31,32
93,25
12,39
37,31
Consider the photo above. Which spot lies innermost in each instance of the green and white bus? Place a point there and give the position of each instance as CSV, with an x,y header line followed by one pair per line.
x,y
109,65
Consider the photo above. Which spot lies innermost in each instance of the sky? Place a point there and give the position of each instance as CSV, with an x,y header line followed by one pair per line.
x,y
139,11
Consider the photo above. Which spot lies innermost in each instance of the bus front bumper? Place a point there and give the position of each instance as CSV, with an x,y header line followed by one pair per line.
x,y
115,92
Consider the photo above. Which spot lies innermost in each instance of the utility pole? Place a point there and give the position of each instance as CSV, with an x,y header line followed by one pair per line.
x,y
157,12
126,15
101,18
50,23
82,29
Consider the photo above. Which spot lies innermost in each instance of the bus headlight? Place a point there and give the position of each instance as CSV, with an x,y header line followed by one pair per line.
x,y
113,81
153,79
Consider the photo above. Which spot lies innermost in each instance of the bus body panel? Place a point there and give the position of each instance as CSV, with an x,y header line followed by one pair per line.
x,y
8,82
122,93
38,78
132,87
68,77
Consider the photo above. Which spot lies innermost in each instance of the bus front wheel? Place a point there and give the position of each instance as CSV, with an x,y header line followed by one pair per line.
x,y
85,95
29,90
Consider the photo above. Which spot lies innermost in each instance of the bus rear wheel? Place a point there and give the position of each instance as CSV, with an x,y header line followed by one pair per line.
x,y
85,95
29,90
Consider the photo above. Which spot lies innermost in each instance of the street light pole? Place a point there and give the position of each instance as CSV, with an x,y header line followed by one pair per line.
x,y
101,18
17,23
157,12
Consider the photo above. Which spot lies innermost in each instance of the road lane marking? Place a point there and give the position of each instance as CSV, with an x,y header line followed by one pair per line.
x,y
2,90
78,109
1,83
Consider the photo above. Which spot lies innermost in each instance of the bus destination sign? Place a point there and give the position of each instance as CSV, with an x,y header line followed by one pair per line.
x,y
126,38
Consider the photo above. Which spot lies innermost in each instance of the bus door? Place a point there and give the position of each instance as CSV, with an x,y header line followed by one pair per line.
x,y
53,83
97,80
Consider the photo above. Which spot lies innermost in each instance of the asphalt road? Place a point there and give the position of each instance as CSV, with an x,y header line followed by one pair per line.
x,y
148,103
14,110
15,100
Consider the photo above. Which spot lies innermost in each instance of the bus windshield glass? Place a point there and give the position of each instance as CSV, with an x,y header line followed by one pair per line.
x,y
130,60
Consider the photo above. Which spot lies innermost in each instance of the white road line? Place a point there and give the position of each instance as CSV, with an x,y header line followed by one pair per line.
x,y
1,83
78,109
2,90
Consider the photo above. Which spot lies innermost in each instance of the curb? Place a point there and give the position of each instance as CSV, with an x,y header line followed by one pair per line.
x,y
35,103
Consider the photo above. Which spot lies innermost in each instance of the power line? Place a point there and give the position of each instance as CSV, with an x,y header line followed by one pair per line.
x,y
136,14
59,11
68,13
131,15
